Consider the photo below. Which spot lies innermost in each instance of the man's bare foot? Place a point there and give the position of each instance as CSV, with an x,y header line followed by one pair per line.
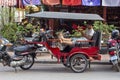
x,y
61,41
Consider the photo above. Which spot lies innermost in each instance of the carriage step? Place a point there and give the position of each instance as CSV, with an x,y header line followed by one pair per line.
x,y
98,57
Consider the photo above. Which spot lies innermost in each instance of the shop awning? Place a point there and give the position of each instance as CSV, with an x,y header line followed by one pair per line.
x,y
65,15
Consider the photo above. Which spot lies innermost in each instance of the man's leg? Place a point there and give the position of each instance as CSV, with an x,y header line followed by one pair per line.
x,y
69,42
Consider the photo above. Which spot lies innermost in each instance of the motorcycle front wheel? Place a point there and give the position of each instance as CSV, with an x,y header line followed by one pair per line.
x,y
29,63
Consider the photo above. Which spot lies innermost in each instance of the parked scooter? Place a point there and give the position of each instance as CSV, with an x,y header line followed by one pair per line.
x,y
23,55
39,37
113,48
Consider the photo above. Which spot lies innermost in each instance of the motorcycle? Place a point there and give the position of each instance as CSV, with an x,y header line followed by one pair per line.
x,y
113,48
23,55
39,37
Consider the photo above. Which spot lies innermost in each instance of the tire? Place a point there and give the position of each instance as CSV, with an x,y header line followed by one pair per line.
x,y
117,67
78,63
29,63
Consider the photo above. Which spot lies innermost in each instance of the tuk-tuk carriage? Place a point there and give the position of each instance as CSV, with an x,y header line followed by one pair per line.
x,y
78,57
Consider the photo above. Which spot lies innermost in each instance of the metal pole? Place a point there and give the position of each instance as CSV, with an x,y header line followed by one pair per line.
x,y
105,13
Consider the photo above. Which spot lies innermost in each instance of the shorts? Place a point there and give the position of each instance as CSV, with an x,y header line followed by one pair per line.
x,y
74,41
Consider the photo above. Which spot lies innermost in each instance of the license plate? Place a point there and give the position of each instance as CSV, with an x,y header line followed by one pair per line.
x,y
113,57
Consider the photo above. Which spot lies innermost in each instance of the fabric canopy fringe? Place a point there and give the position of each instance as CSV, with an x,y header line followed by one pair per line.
x,y
91,2
111,3
51,2
71,2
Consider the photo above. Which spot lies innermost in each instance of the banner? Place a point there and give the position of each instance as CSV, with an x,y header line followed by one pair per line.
x,y
31,2
19,15
111,3
51,2
91,2
71,2
7,2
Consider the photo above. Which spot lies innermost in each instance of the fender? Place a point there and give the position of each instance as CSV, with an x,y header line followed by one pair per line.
x,y
79,52
74,53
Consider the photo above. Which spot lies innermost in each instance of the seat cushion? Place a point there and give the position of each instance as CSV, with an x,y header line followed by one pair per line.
x,y
23,48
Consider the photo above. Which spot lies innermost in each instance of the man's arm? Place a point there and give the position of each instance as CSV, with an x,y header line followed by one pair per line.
x,y
88,37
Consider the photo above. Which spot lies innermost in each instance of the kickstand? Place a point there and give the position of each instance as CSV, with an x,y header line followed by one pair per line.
x,y
51,56
89,63
15,70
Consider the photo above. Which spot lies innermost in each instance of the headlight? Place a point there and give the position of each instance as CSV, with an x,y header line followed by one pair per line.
x,y
1,41
39,45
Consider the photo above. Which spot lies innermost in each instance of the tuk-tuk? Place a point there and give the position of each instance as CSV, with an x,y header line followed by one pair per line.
x,y
78,57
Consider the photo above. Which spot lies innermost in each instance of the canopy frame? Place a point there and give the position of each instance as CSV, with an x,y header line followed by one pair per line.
x,y
65,15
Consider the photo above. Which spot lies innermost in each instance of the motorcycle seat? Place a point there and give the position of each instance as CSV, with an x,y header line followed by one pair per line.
x,y
112,49
23,48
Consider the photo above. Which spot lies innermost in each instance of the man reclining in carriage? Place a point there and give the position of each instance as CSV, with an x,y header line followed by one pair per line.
x,y
87,35
88,38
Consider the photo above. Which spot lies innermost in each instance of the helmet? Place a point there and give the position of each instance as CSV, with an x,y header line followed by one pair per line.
x,y
115,34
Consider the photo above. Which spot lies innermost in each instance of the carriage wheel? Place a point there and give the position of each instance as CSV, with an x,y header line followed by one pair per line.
x,y
78,63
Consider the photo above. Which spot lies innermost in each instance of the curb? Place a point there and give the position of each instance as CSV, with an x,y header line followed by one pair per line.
x,y
55,62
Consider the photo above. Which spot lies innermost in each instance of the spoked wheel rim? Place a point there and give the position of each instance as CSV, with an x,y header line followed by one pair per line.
x,y
78,63
28,64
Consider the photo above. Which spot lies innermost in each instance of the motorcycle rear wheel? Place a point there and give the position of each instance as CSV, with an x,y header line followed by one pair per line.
x,y
29,63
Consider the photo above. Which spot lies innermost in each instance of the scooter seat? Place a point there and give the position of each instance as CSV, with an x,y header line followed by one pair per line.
x,y
112,49
23,48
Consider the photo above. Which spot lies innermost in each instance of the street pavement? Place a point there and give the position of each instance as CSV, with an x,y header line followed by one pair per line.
x,y
59,72
46,68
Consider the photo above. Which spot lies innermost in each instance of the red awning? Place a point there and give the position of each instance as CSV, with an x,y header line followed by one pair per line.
x,y
71,2
51,2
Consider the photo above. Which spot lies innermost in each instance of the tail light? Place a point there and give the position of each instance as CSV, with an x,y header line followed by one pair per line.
x,y
112,52
113,44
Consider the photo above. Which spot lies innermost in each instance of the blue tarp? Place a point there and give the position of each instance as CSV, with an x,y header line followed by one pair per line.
x,y
31,2
91,2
